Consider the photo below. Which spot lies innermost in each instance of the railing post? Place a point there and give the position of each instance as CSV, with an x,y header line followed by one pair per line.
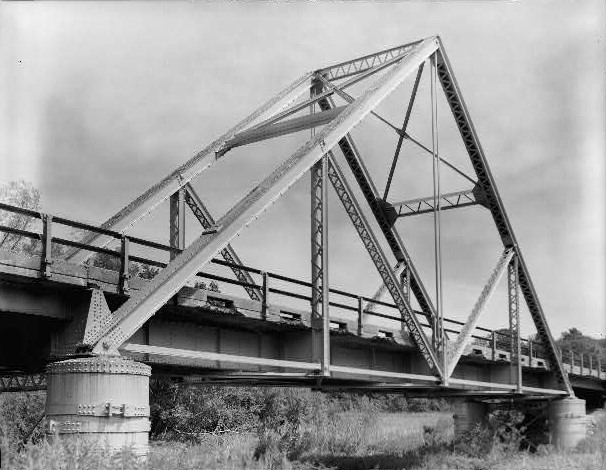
x,y
360,313
494,345
47,245
599,366
571,354
530,352
124,265
582,358
265,291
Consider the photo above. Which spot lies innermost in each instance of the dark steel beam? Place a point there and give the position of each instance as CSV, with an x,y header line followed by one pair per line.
x,y
403,131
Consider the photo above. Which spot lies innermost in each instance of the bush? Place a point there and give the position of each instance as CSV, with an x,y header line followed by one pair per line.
x,y
501,436
20,420
186,412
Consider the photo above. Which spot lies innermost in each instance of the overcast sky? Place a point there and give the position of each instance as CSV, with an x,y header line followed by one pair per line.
x,y
100,101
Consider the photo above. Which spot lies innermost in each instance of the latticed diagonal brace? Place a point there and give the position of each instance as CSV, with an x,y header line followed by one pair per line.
x,y
390,279
147,301
361,64
455,352
228,253
380,291
497,209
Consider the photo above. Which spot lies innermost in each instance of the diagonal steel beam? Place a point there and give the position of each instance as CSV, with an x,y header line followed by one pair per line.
x,y
495,205
347,97
367,62
377,207
403,131
146,302
159,192
455,352
289,126
228,253
389,276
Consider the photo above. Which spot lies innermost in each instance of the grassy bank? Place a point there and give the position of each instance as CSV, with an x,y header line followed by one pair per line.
x,y
290,429
352,441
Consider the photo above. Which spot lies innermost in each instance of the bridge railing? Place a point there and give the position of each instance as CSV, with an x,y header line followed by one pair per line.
x,y
495,340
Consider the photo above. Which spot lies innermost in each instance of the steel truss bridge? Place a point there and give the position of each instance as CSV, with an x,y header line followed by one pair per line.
x,y
53,307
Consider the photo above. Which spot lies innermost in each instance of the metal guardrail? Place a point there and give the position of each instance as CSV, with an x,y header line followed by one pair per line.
x,y
496,340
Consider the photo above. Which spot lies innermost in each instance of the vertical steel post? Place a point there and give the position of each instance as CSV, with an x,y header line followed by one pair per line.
x,y
590,365
265,290
177,222
441,337
494,345
124,265
514,323
581,364
530,352
319,253
47,245
571,353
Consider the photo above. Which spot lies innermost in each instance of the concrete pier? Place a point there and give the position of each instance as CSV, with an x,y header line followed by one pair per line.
x,y
103,399
567,422
467,414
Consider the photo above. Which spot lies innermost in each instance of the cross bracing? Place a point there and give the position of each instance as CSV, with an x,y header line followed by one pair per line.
x,y
379,74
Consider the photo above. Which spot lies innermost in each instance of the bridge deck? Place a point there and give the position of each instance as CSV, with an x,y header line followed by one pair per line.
x,y
222,338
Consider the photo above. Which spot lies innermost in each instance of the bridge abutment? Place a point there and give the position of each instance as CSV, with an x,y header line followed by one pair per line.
x,y
567,422
100,399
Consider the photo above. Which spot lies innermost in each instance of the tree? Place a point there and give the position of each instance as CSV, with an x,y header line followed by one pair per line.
x,y
574,340
22,194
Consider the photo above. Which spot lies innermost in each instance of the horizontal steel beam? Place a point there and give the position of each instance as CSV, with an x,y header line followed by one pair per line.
x,y
426,205
384,374
22,382
211,356
269,131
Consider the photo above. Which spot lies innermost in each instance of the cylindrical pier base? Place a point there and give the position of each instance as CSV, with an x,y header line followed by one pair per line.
x,y
567,422
467,414
103,399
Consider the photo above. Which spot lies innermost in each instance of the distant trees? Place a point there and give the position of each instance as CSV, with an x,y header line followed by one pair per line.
x,y
574,340
23,194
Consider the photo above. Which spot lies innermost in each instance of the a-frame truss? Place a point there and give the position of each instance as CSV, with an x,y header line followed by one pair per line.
x,y
388,69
